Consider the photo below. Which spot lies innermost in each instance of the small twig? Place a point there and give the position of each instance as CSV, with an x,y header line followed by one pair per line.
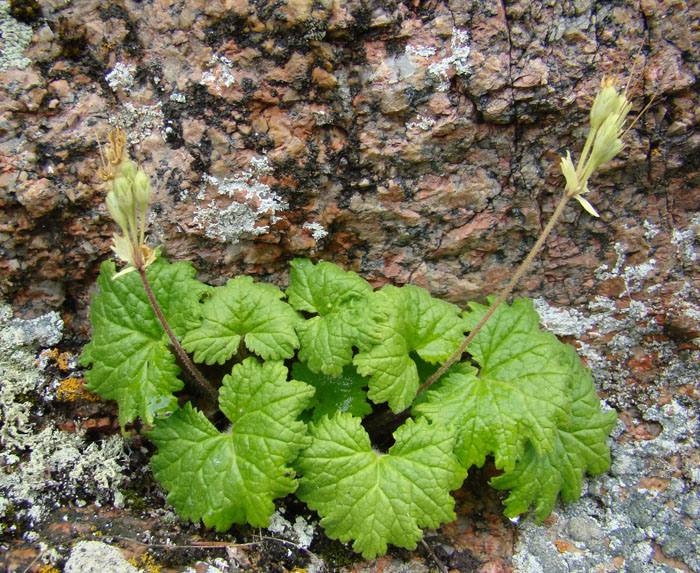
x,y
186,362
290,543
439,564
219,544
202,545
33,561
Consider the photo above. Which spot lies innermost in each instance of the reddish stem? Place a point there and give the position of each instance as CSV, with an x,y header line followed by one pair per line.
x,y
506,291
189,366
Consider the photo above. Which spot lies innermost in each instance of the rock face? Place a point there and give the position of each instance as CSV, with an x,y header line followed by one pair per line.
x,y
412,142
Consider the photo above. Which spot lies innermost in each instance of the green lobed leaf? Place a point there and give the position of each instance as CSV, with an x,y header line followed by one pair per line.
x,y
128,352
233,477
343,318
377,498
580,446
344,393
416,322
248,310
520,393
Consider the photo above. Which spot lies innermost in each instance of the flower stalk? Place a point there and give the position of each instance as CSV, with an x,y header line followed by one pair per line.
x,y
607,128
127,202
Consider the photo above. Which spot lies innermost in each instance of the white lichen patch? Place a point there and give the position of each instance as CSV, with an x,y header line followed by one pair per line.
x,y
686,241
219,73
139,122
423,123
602,317
97,557
59,467
318,232
15,37
633,275
457,59
562,321
121,76
692,311
650,230
41,466
633,331
251,200
300,532
452,60
19,375
419,51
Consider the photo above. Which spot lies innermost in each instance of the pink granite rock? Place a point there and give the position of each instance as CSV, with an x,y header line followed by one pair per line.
x,y
408,141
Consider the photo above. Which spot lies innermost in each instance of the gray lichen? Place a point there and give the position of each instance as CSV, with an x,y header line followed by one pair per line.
x,y
318,232
299,532
219,73
251,200
458,59
41,466
121,76
645,501
686,241
633,330
139,122
97,557
14,39
644,512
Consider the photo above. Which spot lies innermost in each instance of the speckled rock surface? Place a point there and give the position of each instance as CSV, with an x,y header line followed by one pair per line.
x,y
96,557
413,142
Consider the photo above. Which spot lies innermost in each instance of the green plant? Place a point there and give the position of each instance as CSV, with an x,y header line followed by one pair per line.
x,y
519,394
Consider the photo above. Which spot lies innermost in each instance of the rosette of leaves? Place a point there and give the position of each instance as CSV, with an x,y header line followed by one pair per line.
x,y
521,397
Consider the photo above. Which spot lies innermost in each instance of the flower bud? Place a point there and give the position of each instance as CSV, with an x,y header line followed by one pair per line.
x,y
127,168
606,103
607,143
124,194
115,210
142,189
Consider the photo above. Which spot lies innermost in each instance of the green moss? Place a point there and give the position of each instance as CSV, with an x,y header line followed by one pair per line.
x,y
133,500
9,518
30,398
334,553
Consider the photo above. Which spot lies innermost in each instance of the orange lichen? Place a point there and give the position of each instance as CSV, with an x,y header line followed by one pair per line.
x,y
60,359
72,389
63,361
562,546
48,569
146,563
